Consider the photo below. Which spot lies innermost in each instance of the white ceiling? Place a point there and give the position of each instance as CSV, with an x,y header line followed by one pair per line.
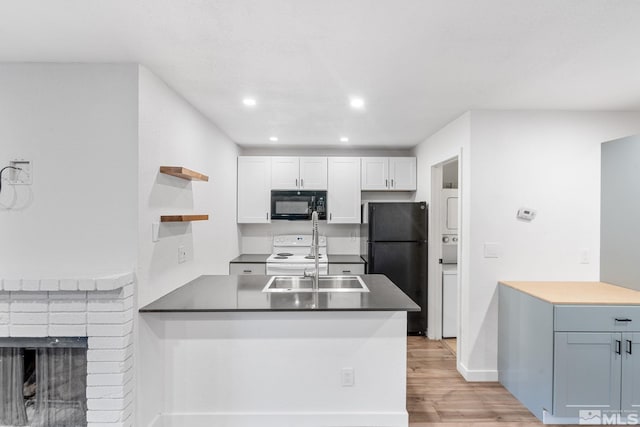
x,y
417,63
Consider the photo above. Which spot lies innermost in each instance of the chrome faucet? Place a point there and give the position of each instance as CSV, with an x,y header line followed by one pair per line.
x,y
315,251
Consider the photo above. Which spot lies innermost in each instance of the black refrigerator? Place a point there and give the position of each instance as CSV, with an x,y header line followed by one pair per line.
x,y
397,247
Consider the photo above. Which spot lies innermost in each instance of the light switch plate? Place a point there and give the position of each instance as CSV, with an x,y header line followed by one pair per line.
x,y
347,377
492,250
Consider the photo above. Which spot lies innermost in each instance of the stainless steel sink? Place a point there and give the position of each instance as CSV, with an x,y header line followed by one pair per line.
x,y
325,284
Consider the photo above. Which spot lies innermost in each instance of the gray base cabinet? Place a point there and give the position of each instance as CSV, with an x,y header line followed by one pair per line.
x,y
630,399
587,372
560,359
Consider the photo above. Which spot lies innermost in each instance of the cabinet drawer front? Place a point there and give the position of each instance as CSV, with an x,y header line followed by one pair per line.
x,y
589,318
249,268
346,268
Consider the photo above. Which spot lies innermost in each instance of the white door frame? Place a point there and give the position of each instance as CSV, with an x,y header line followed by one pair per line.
x,y
434,291
435,252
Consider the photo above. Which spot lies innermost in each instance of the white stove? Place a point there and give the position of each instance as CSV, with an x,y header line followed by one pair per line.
x,y
291,255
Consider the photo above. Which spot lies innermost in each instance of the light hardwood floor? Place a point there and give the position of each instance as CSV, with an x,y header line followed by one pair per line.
x,y
437,395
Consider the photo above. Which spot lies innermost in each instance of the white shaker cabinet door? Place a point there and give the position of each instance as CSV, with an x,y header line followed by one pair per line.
x,y
375,173
343,193
254,191
313,173
285,172
402,173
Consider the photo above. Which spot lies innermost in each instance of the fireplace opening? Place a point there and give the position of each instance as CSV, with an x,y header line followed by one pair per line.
x,y
43,382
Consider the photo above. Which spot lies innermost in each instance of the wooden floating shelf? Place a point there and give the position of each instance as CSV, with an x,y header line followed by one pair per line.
x,y
183,173
183,218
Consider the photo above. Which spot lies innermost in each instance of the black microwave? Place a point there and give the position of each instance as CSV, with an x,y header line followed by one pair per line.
x,y
298,205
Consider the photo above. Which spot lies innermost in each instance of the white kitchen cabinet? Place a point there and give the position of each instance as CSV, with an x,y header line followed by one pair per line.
x,y
285,173
343,192
299,173
313,173
388,173
254,189
402,173
375,173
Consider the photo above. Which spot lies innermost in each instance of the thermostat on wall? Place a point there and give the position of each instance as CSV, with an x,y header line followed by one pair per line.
x,y
526,214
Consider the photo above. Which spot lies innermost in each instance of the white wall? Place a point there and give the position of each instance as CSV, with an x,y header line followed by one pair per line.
x,y
77,123
548,161
173,133
451,141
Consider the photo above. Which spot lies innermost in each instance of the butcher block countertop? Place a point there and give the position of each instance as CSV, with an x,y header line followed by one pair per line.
x,y
578,292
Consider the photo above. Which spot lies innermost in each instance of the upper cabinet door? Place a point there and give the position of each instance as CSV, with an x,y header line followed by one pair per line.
x,y
375,173
313,173
343,192
254,191
402,173
285,173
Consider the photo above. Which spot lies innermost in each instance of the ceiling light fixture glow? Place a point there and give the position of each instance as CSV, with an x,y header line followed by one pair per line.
x,y
344,139
273,138
357,103
249,102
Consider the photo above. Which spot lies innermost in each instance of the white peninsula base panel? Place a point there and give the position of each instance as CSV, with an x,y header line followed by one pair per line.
x,y
273,369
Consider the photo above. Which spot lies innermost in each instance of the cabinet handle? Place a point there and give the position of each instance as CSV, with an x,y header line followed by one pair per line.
x,y
623,320
386,183
392,185
267,215
618,345
346,271
330,216
247,271
296,182
629,347
301,183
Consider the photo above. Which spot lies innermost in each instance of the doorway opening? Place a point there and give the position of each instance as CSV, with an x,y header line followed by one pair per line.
x,y
444,249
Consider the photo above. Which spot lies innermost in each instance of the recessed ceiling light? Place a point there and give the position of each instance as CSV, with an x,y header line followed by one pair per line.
x,y
344,139
273,138
249,102
357,103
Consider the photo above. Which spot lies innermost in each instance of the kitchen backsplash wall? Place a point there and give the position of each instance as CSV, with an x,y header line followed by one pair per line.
x,y
258,238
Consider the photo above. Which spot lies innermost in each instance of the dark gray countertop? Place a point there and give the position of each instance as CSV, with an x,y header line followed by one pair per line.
x,y
244,293
250,259
262,258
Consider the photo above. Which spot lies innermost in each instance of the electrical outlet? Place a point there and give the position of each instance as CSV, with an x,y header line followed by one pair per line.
x,y
348,377
24,176
584,256
182,254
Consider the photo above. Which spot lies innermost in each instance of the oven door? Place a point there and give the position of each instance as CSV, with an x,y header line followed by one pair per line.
x,y
292,269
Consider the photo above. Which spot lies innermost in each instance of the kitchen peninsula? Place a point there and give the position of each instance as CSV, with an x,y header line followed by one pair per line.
x,y
234,355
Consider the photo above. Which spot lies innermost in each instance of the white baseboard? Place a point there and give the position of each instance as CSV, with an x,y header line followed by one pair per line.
x,y
470,375
270,419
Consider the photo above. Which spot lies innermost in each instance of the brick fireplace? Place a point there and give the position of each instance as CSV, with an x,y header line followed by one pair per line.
x,y
100,309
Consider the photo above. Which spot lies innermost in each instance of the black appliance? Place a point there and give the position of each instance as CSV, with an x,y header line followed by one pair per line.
x,y
298,205
397,247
